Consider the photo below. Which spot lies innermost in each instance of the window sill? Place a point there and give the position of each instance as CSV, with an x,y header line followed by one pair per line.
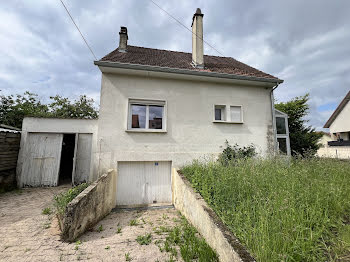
x,y
226,122
146,131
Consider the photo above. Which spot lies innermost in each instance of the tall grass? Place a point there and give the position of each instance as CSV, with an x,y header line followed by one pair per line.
x,y
280,210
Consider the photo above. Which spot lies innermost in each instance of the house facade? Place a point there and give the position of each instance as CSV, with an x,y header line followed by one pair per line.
x,y
338,144
161,109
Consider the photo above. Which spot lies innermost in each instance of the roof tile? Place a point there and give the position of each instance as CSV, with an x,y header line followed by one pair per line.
x,y
181,60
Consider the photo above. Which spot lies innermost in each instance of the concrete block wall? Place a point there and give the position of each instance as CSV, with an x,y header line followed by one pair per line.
x,y
89,207
204,219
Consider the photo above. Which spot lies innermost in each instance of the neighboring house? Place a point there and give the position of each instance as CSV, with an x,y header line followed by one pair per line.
x,y
161,109
323,141
339,128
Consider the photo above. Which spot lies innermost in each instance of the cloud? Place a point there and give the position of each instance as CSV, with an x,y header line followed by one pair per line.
x,y
306,43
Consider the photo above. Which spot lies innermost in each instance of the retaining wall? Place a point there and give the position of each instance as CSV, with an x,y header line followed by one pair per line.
x,y
208,224
89,207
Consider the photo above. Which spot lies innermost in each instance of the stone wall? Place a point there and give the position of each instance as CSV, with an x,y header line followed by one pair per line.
x,y
89,207
9,147
208,224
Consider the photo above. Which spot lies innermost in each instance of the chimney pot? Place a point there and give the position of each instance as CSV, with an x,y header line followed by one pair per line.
x,y
197,39
123,39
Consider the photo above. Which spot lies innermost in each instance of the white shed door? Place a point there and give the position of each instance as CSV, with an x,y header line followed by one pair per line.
x,y
82,158
42,159
144,183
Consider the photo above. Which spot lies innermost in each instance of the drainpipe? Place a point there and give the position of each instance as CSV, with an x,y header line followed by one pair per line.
x,y
274,118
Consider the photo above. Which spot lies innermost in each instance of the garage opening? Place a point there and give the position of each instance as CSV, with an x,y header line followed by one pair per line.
x,y
67,159
144,183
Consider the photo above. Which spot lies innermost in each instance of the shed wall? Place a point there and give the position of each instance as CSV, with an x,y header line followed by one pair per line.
x,y
58,126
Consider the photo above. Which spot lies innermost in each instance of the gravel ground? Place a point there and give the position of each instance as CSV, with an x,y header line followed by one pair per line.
x,y
28,235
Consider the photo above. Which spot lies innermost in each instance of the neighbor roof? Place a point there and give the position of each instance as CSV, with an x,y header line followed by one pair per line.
x,y
338,110
179,60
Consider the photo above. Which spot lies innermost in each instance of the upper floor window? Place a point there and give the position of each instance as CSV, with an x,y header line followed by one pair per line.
x,y
146,115
228,114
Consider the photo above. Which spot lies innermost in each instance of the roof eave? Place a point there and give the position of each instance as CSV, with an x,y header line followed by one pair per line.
x,y
184,71
337,110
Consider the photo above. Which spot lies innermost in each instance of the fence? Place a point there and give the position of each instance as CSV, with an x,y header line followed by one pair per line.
x,y
9,147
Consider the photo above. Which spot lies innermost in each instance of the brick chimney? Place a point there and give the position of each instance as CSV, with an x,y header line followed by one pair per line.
x,y
123,39
197,39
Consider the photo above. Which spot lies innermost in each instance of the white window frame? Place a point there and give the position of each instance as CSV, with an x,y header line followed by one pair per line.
x,y
227,114
286,135
223,113
147,103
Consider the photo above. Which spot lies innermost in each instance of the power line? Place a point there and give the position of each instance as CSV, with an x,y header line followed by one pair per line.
x,y
78,30
185,26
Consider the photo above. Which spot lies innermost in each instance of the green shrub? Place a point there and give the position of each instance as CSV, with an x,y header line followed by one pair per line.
x,y
46,211
63,199
280,210
232,153
144,240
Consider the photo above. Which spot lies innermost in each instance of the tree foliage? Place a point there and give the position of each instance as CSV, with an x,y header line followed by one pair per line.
x,y
303,138
13,108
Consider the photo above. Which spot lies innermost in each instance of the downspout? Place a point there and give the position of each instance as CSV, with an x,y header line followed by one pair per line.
x,y
274,118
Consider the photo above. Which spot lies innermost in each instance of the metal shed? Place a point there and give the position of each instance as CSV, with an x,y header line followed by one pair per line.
x,y
56,151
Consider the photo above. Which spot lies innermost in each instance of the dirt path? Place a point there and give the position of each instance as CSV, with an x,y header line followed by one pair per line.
x,y
28,235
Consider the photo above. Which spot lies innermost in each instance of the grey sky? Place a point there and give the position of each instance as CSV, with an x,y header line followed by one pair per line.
x,y
306,43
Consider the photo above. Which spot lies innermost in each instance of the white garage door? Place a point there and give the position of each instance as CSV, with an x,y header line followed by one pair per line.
x,y
82,162
144,183
42,159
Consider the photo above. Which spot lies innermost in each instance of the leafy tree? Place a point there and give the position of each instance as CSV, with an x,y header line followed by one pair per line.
x,y
303,138
14,108
81,108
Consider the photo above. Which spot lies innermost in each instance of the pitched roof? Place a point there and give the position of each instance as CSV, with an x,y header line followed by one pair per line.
x,y
180,60
338,110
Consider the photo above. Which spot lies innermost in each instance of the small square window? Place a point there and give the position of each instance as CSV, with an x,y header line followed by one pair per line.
x,y
220,113
236,114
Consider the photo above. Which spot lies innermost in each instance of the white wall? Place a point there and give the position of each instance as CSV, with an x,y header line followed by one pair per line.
x,y
342,122
342,152
58,125
191,132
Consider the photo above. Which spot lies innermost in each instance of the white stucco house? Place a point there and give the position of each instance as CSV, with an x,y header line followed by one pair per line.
x,y
338,144
161,109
